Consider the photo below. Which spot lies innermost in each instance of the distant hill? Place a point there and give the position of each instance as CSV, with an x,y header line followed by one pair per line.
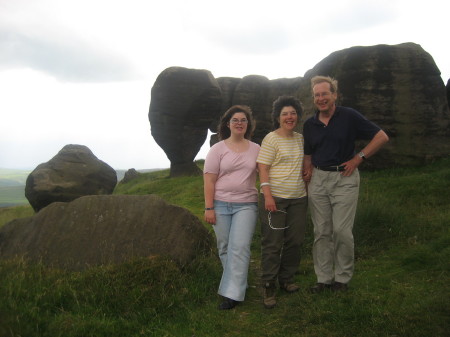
x,y
12,177
12,185
12,196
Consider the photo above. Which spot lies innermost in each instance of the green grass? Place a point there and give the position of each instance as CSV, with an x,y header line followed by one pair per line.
x,y
400,288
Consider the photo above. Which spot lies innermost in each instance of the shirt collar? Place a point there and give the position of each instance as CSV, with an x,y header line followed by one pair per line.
x,y
316,115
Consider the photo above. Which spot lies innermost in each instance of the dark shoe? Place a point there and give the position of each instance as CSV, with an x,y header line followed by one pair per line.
x,y
290,287
319,287
338,286
269,296
228,304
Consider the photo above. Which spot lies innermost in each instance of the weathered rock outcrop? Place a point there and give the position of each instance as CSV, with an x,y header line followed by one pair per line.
x,y
398,87
130,174
184,103
109,229
74,172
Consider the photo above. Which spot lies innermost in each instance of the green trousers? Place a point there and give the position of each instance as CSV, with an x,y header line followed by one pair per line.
x,y
282,235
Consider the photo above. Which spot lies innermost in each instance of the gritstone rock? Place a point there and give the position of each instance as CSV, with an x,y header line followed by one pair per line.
x,y
184,102
398,87
74,172
130,175
107,229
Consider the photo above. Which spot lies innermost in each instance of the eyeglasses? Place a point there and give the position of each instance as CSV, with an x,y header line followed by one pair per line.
x,y
237,121
269,218
322,94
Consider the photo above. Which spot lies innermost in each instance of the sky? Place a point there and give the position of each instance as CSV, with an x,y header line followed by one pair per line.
x,y
81,71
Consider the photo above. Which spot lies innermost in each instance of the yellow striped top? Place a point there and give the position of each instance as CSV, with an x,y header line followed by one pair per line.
x,y
285,158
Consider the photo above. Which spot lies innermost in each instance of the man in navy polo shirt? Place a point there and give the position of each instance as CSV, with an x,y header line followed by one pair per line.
x,y
331,165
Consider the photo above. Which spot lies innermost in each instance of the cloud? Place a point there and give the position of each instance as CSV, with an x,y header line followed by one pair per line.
x,y
63,56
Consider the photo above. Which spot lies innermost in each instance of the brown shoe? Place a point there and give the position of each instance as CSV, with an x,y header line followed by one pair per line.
x,y
290,287
269,296
319,287
338,286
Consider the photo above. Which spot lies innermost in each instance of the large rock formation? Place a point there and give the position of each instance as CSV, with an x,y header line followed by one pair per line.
x,y
74,172
99,230
184,102
398,87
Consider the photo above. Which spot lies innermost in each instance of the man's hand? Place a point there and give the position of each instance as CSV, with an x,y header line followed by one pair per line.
x,y
351,165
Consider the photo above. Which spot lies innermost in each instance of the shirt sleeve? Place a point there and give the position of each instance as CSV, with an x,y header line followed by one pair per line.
x,y
365,128
212,161
267,152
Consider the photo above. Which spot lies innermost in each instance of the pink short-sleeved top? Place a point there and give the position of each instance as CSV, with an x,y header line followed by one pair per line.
x,y
236,172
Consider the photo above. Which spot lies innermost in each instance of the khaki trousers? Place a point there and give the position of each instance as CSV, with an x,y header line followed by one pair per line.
x,y
333,199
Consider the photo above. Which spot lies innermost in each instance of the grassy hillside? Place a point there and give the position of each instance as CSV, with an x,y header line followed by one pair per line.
x,y
401,285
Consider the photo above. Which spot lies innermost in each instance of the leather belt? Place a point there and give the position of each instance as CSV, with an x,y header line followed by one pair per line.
x,y
331,168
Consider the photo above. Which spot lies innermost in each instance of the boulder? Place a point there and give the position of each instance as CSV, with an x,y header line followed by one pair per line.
x,y
131,174
183,104
107,229
400,89
396,86
74,172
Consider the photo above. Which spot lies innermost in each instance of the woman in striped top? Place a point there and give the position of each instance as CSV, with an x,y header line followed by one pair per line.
x,y
283,200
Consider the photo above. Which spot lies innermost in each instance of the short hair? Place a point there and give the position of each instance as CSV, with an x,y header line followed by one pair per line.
x,y
320,79
280,103
223,129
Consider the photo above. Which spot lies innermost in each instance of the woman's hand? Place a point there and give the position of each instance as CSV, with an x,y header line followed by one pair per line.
x,y
269,204
210,216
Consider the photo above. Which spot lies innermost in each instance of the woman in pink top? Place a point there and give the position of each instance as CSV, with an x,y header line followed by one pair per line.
x,y
231,199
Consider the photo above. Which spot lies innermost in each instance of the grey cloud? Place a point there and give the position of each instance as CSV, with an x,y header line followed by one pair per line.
x,y
68,58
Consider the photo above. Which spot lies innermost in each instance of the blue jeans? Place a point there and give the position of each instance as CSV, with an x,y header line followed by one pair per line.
x,y
234,228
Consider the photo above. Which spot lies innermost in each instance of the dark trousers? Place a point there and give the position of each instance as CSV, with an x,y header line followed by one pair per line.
x,y
280,248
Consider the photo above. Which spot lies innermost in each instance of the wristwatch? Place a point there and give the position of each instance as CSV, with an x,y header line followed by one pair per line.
x,y
362,155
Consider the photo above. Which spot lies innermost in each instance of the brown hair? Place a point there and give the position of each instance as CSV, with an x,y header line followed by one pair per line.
x,y
223,127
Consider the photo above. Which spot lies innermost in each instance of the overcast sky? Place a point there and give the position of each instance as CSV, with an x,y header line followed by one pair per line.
x,y
81,71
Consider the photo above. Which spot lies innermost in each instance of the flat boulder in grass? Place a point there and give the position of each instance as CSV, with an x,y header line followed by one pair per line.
x,y
101,230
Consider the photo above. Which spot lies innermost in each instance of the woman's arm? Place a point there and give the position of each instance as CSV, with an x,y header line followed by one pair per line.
x,y
209,182
307,168
269,202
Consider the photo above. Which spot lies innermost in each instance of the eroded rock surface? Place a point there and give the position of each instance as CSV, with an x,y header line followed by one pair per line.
x,y
74,172
108,229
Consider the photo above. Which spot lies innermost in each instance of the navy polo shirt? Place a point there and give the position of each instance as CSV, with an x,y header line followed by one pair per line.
x,y
334,144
